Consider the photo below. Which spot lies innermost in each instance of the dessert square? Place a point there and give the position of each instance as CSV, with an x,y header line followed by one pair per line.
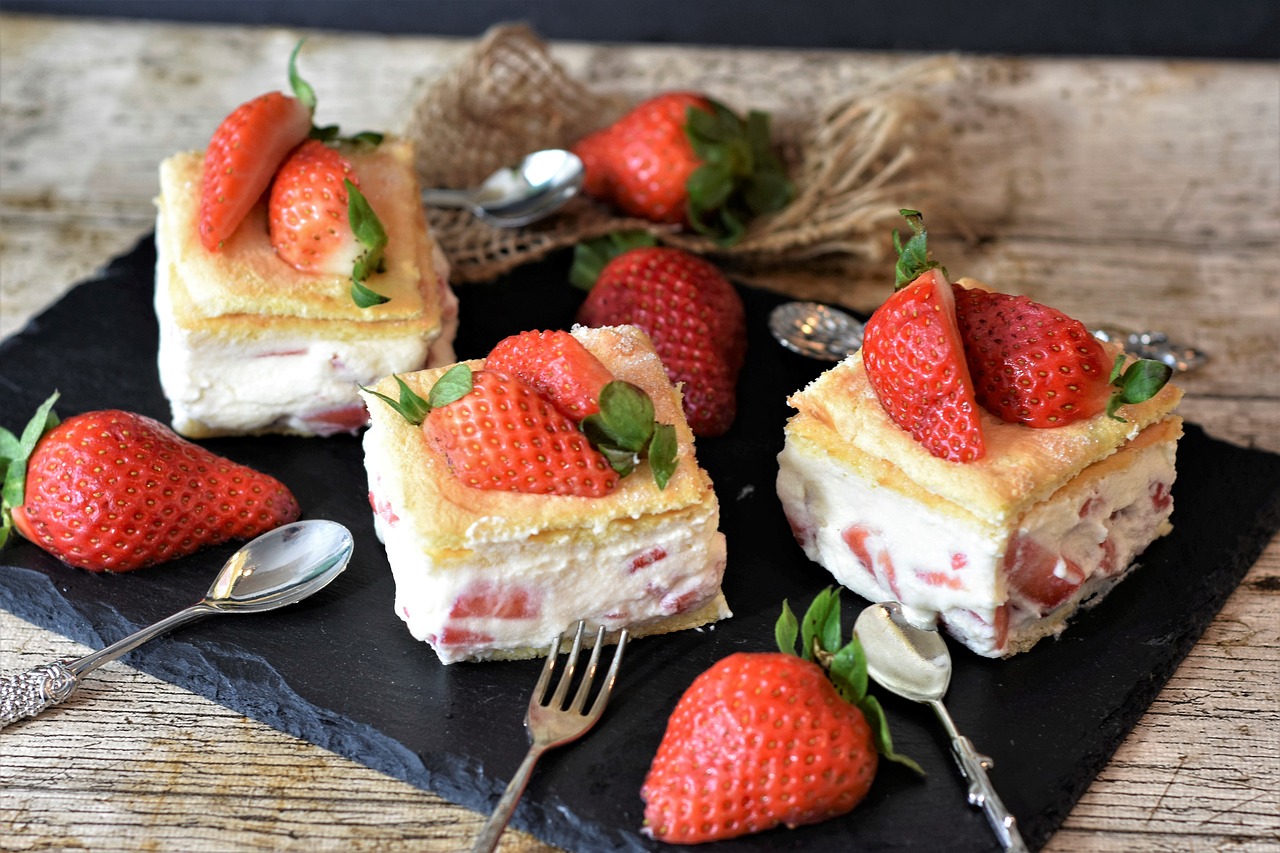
x,y
1001,551
486,574
250,345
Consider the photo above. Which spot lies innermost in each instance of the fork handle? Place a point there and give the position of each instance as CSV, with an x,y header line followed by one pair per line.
x,y
487,841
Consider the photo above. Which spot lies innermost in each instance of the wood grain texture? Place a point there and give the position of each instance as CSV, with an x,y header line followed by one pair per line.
x,y
1143,193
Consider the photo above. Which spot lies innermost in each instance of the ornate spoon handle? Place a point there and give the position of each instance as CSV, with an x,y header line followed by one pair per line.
x,y
982,794
29,693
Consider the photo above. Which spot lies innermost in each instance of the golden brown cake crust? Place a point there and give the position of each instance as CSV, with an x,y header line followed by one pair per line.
x,y
245,277
839,413
448,514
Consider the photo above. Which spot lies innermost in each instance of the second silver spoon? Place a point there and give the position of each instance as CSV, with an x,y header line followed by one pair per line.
x,y
915,664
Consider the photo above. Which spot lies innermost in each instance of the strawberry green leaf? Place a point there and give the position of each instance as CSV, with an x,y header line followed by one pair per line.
x,y
363,297
410,406
874,714
737,153
622,461
301,88
454,384
1142,381
663,450
849,670
15,452
590,257
368,231
817,624
786,630
625,419
913,256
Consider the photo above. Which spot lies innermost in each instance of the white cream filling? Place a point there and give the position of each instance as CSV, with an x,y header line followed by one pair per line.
x,y
884,546
512,595
290,383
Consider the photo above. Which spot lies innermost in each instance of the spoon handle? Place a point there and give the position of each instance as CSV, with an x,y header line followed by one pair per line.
x,y
28,693
982,794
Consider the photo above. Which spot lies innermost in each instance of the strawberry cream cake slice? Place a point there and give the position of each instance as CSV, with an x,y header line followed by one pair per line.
x,y
982,460
552,481
290,271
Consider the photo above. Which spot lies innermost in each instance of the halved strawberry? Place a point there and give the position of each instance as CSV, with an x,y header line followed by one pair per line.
x,y
1034,365
244,153
915,362
321,223
558,365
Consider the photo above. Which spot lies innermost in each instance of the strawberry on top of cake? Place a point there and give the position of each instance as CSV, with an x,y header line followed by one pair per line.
x,y
983,460
552,481
292,266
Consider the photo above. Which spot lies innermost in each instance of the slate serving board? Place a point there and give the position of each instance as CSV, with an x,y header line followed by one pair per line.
x,y
340,670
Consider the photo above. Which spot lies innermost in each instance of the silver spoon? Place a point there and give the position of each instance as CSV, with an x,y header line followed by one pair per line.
x,y
829,334
915,664
278,568
514,196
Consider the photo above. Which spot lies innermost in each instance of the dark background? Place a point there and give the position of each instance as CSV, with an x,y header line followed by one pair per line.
x,y
1223,29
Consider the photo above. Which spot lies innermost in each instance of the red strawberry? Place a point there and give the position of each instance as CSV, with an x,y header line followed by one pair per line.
x,y
505,435
768,738
558,366
681,158
915,362
1034,365
245,151
694,317
117,491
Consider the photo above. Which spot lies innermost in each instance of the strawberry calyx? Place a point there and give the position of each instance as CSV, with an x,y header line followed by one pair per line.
x,y
820,636
590,257
625,431
15,452
1138,383
740,177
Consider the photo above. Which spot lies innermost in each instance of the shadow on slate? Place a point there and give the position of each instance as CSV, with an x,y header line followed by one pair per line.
x,y
339,670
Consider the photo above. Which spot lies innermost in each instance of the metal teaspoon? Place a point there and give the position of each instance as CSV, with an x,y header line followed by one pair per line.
x,y
915,664
511,197
280,567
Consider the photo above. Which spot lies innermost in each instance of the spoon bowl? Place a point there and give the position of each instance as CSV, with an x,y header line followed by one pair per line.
x,y
518,195
280,567
914,663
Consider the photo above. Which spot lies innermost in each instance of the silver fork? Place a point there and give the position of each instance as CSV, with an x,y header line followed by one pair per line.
x,y
551,724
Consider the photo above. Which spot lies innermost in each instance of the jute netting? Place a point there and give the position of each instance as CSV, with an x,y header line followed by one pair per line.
x,y
855,162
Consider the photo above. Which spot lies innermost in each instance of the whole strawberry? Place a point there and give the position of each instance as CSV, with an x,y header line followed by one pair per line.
x,y
320,222
117,491
1034,365
245,151
915,363
763,739
680,158
690,311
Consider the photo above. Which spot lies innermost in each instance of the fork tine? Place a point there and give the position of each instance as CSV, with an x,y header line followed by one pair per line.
x,y
597,707
540,689
590,675
557,701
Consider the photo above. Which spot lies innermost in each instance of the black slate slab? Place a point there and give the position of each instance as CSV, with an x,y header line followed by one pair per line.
x,y
340,671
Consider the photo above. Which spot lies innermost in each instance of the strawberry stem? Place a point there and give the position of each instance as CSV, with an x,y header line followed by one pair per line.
x,y
913,256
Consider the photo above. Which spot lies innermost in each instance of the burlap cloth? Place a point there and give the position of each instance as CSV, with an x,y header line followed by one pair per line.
x,y
855,162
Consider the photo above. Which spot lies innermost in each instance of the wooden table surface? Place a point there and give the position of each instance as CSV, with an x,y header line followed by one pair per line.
x,y
1145,193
